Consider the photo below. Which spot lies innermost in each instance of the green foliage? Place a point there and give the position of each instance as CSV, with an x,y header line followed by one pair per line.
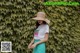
x,y
17,26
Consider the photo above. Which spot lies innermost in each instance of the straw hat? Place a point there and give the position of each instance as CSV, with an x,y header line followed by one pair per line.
x,y
41,16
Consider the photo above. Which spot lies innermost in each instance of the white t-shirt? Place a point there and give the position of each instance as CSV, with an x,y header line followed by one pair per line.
x,y
39,33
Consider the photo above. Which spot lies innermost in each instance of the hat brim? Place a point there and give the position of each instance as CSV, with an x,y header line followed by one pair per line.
x,y
39,18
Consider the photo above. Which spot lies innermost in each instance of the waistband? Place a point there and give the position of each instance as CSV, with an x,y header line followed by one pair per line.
x,y
37,39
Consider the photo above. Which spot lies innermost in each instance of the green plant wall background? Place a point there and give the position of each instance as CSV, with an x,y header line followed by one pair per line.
x,y
17,26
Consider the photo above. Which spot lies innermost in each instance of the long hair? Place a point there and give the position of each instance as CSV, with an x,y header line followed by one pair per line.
x,y
37,24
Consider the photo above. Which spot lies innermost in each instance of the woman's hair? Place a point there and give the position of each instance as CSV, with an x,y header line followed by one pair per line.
x,y
37,24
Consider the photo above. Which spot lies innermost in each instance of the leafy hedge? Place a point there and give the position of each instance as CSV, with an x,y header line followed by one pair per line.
x,y
17,26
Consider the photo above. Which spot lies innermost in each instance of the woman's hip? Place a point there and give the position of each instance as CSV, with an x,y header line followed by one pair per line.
x,y
40,48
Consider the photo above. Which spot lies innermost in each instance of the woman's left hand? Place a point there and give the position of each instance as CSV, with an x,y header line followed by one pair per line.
x,y
34,45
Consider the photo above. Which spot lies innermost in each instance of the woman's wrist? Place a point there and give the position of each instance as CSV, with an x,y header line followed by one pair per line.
x,y
37,43
31,43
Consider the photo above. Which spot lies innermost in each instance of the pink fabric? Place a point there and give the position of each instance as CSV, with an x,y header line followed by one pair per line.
x,y
36,33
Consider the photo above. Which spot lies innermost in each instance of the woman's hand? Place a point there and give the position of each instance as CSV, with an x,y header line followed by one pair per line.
x,y
29,46
34,45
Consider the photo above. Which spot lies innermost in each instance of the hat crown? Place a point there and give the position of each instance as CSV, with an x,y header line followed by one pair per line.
x,y
41,14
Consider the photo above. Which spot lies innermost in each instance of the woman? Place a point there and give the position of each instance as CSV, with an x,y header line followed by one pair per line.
x,y
40,34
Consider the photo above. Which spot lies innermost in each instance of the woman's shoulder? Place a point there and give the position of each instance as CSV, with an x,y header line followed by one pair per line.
x,y
47,25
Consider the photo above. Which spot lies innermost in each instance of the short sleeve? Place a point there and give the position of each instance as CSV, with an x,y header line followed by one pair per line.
x,y
46,29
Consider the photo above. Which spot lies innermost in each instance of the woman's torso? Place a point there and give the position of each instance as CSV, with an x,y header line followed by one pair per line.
x,y
39,33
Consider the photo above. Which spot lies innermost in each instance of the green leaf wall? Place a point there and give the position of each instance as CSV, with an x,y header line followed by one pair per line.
x,y
17,26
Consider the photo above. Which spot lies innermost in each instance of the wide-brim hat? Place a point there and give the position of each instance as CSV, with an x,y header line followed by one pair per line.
x,y
41,16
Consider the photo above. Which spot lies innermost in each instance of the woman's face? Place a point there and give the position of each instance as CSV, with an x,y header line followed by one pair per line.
x,y
40,21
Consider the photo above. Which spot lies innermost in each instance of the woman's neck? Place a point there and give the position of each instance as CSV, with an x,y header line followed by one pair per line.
x,y
42,24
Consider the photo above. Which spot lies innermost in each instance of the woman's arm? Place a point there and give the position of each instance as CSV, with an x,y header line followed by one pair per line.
x,y
43,40
29,46
32,41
